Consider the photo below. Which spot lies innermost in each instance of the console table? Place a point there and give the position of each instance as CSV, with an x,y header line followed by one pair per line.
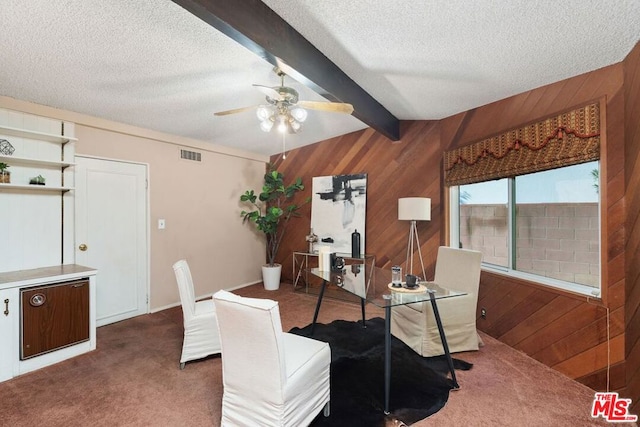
x,y
301,265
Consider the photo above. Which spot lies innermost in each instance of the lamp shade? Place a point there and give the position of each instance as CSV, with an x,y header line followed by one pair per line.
x,y
414,209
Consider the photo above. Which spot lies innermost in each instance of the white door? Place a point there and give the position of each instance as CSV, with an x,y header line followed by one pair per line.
x,y
111,234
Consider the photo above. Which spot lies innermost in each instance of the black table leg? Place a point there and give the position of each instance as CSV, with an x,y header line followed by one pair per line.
x,y
443,338
387,357
315,315
362,301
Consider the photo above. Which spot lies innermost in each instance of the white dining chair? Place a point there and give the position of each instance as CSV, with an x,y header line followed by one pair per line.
x,y
415,324
270,377
201,337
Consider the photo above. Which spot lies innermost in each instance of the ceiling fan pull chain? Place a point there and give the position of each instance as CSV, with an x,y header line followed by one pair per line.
x,y
284,152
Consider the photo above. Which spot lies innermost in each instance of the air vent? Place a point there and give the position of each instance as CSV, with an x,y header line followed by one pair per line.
x,y
191,155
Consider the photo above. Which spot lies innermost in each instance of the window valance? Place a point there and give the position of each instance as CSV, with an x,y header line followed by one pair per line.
x,y
567,139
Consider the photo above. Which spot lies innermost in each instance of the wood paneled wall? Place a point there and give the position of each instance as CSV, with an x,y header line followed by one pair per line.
x,y
632,202
570,333
407,168
575,335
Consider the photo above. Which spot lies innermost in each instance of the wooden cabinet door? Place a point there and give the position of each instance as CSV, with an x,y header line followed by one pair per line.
x,y
54,316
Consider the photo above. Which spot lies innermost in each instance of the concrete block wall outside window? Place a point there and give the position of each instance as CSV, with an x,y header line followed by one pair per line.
x,y
556,240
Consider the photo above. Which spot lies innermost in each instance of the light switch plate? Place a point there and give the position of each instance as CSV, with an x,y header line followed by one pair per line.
x,y
161,224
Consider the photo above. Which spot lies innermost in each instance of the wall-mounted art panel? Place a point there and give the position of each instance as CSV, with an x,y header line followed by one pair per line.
x,y
338,209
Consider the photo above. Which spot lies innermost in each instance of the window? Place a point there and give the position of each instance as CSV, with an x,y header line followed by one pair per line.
x,y
542,226
528,199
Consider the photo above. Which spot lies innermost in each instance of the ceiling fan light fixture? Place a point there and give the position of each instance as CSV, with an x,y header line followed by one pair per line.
x,y
300,114
282,107
295,125
282,124
266,125
264,112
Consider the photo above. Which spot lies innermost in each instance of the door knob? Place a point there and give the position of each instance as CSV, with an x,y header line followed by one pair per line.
x,y
82,247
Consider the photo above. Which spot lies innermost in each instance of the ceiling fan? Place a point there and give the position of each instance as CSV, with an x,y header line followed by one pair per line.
x,y
284,108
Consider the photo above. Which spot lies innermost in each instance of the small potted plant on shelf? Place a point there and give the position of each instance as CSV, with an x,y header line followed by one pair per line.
x,y
271,211
38,180
5,175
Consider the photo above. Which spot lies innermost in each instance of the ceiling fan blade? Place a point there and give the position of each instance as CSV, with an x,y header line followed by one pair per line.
x,y
237,110
270,92
335,107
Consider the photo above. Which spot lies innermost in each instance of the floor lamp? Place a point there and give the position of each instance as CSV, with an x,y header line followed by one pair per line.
x,y
414,209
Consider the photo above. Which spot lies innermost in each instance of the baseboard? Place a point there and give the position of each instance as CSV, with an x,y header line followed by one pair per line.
x,y
177,304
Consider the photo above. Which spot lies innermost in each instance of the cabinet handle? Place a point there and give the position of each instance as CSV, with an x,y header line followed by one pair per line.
x,y
37,300
6,307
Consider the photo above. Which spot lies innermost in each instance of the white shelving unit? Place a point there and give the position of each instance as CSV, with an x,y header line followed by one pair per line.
x,y
36,225
8,130
32,187
28,161
37,221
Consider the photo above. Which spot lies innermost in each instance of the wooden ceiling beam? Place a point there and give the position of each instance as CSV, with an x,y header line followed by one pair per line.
x,y
258,28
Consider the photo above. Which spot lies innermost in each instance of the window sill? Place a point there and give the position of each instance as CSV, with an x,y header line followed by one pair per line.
x,y
573,289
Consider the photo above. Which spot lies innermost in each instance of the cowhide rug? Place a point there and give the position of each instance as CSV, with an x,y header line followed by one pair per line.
x,y
419,386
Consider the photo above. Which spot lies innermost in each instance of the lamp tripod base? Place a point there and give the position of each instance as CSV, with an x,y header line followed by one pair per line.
x,y
413,236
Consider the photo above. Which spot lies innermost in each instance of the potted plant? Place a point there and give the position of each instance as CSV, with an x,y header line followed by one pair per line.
x,y
271,211
37,180
5,175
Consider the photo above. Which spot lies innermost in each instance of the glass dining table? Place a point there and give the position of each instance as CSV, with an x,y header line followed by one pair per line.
x,y
373,286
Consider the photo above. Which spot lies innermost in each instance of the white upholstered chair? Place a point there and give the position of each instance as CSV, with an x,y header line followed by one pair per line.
x,y
270,377
415,324
201,336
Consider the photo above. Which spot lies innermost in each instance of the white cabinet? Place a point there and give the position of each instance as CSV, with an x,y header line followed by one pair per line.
x,y
8,329
11,283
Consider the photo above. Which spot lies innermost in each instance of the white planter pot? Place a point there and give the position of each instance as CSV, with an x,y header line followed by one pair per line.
x,y
271,277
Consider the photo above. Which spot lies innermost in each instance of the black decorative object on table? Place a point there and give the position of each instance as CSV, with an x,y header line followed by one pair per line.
x,y
355,244
412,281
337,262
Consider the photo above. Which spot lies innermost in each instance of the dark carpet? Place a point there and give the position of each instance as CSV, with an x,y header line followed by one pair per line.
x,y
419,385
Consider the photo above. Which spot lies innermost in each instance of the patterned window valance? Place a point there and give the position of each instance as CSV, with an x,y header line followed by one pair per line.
x,y
563,140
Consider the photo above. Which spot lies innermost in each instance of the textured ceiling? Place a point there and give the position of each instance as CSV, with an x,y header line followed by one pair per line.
x,y
154,65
